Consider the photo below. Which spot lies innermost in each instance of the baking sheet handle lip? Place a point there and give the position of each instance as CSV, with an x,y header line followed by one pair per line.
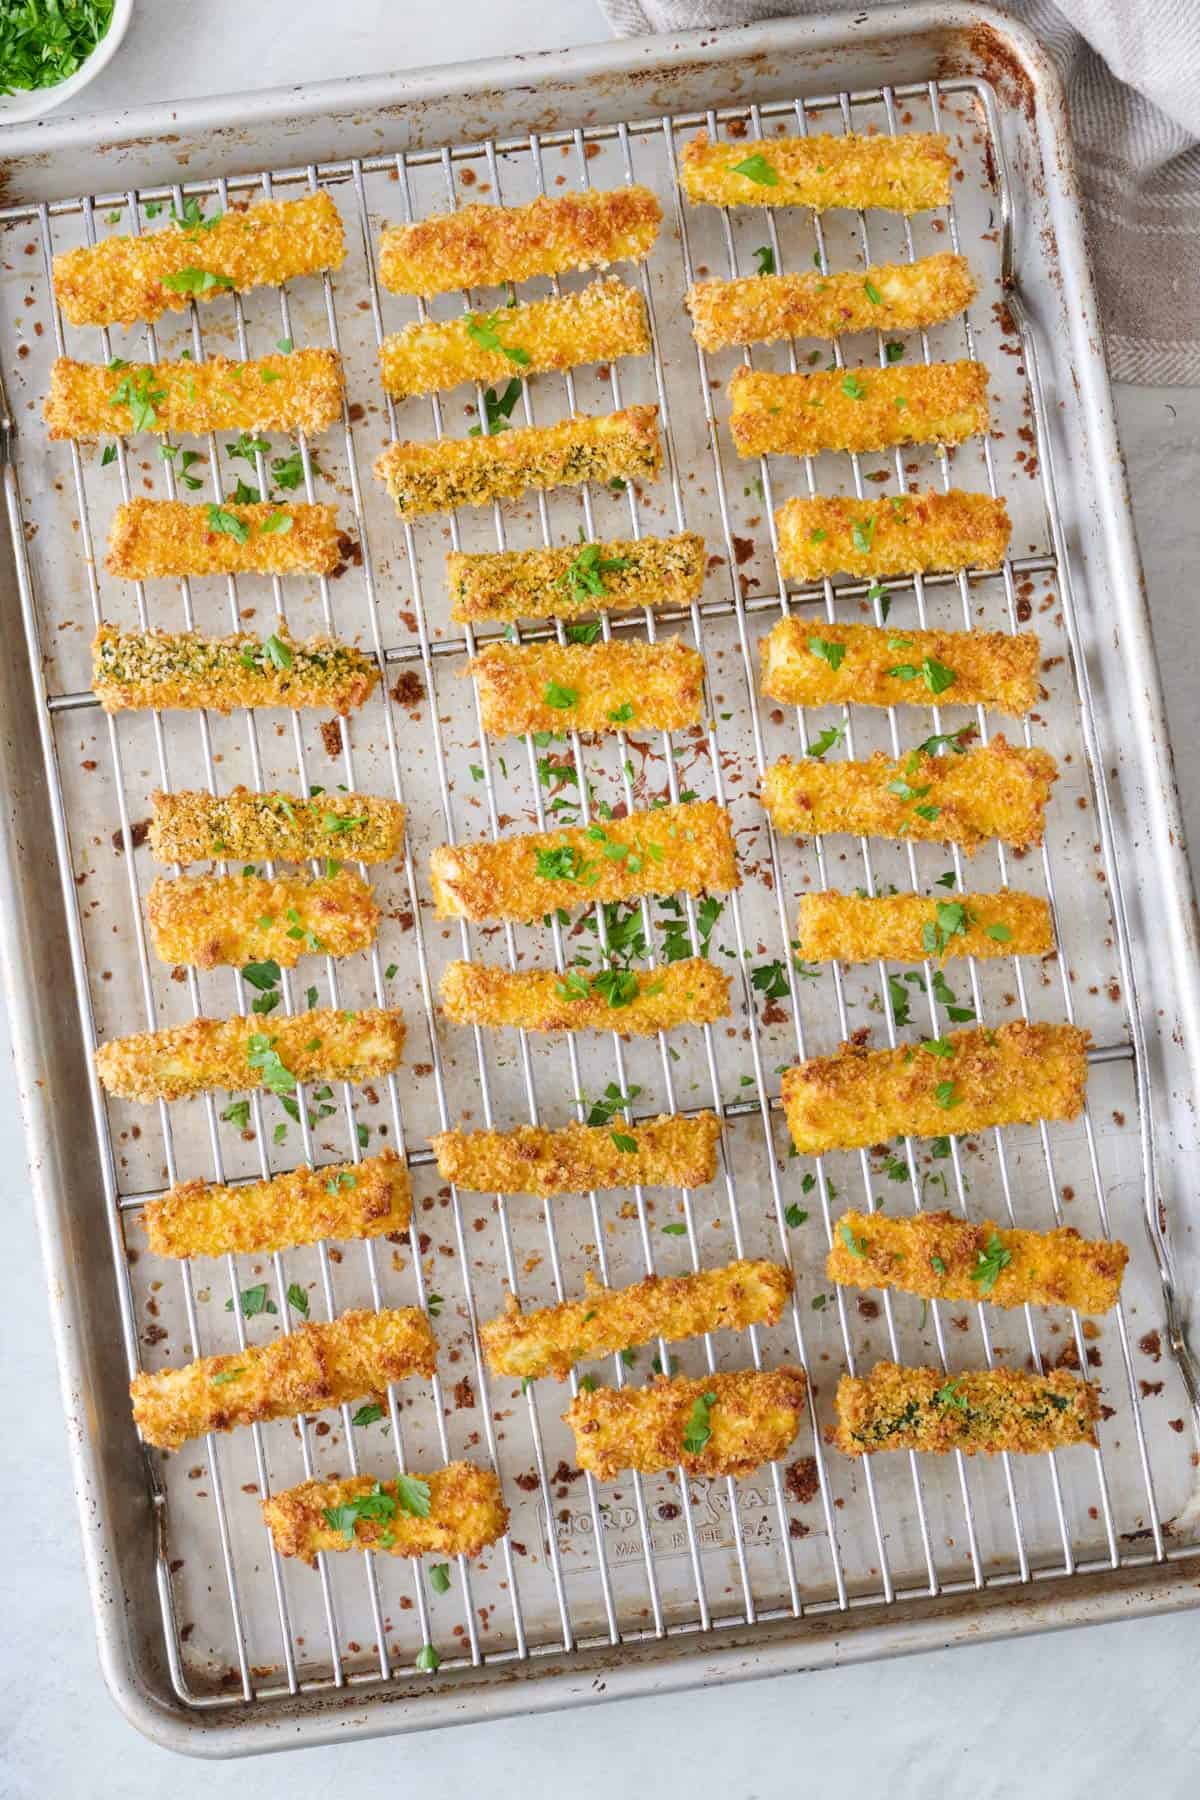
x,y
592,1676
1177,891
483,76
113,1610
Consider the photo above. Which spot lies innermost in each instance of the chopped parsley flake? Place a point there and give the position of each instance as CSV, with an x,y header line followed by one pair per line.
x,y
829,651
584,577
991,1260
497,409
698,1429
481,329
226,523
855,1245
826,740
756,168
564,863
196,281
559,697
252,1301
297,1298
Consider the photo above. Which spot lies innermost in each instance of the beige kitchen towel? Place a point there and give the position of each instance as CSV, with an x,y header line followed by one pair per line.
x,y
1131,69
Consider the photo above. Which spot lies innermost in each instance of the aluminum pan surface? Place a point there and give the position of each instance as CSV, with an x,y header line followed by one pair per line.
x,y
1133,646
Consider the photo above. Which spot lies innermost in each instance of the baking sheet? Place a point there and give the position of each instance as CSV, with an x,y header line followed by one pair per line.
x,y
785,1553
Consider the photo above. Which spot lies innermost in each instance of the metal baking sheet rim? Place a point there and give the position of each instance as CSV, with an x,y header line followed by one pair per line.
x,y
107,1472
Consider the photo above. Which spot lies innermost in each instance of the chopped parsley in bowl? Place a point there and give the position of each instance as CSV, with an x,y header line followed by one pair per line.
x,y
50,49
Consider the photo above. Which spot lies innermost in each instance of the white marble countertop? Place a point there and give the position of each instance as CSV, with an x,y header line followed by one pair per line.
x,y
1066,1713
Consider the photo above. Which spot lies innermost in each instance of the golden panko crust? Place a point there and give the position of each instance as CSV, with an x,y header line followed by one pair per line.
x,y
909,173
192,826
123,279
149,538
751,1417
300,391
942,1257
670,1151
852,928
603,321
353,1357
760,309
980,1411
1014,1074
684,849
232,1054
209,921
438,477
484,246
856,409
181,670
901,535
589,687
996,790
635,1002
366,1199
898,665
551,1340
466,1514
537,584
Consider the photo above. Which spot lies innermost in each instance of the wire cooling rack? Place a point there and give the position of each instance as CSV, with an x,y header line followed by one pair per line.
x,y
587,1564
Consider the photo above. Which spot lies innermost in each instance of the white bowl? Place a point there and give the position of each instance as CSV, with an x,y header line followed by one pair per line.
x,y
42,100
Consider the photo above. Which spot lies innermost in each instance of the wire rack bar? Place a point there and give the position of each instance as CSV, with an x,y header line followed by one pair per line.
x,y
83,698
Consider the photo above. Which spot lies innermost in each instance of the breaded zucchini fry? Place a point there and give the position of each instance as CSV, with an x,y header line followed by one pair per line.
x,y
618,575
901,535
175,670
759,309
460,1513
856,409
169,537
589,687
483,246
604,321
946,1258
192,826
995,790
907,174
982,1410
879,665
348,1200
851,928
670,1151
717,1425
550,1341
301,391
124,279
685,849
1012,1074
233,1054
351,1358
636,1002
470,471
210,920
